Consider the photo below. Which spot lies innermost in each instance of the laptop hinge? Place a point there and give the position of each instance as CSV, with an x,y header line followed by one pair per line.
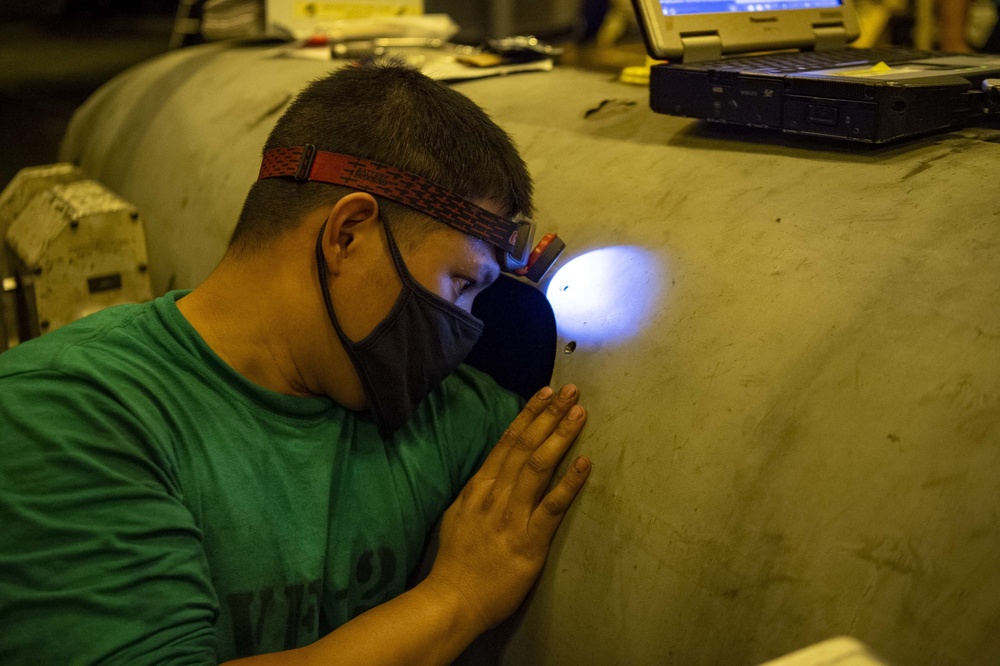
x,y
701,47
830,37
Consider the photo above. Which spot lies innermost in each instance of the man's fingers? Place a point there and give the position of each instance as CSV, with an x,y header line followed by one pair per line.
x,y
538,470
535,406
532,436
553,507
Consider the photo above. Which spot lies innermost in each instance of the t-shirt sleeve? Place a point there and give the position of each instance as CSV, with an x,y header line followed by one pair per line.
x,y
481,411
100,559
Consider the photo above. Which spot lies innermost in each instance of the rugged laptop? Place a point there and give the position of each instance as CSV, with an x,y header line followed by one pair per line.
x,y
806,80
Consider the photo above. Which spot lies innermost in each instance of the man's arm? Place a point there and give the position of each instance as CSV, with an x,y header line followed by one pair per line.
x,y
494,540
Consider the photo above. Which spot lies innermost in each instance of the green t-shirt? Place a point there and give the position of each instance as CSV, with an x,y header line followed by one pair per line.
x,y
158,507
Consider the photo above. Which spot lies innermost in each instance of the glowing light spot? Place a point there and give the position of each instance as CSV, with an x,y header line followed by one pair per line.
x,y
606,295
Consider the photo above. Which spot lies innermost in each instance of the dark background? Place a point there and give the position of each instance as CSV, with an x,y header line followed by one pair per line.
x,y
54,54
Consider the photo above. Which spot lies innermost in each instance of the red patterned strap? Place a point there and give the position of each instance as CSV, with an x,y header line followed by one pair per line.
x,y
306,163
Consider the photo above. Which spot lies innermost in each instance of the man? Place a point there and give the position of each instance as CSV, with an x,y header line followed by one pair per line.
x,y
252,468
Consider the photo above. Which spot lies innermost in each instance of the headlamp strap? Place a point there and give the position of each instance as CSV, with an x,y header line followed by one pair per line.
x,y
305,163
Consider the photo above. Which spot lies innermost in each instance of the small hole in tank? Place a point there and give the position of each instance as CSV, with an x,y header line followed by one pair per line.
x,y
570,347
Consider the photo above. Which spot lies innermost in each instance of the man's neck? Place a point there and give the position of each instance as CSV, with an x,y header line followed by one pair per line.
x,y
262,311
240,314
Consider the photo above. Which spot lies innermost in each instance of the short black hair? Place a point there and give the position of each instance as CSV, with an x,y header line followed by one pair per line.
x,y
385,111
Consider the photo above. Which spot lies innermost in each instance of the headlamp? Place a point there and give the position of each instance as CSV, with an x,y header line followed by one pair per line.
x,y
512,238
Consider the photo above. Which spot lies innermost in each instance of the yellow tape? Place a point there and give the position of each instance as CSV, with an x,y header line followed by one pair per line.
x,y
880,69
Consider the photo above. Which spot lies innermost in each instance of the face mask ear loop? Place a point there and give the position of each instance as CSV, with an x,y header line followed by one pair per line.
x,y
349,346
397,256
328,300
418,289
325,287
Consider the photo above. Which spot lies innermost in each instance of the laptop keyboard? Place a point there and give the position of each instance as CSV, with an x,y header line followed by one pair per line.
x,y
804,61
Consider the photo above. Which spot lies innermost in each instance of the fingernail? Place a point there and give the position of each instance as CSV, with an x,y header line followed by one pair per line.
x,y
567,391
546,392
575,413
581,465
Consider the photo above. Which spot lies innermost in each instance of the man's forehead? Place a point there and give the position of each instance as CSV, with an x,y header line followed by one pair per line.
x,y
467,249
487,259
461,253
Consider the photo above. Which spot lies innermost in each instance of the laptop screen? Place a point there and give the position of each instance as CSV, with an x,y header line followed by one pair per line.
x,y
741,26
682,7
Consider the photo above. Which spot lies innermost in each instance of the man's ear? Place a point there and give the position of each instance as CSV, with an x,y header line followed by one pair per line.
x,y
352,219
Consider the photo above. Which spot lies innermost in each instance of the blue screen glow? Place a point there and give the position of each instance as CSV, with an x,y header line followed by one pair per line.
x,y
606,296
683,7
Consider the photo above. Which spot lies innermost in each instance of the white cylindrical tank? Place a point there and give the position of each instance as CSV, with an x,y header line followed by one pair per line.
x,y
790,353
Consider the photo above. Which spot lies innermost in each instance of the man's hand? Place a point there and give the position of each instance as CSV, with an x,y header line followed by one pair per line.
x,y
495,537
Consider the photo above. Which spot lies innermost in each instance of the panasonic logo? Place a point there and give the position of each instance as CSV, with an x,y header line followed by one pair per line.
x,y
763,19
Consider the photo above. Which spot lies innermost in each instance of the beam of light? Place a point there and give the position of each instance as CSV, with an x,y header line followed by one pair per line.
x,y
606,296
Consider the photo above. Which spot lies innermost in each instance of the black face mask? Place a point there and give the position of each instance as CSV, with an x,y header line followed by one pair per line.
x,y
410,352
